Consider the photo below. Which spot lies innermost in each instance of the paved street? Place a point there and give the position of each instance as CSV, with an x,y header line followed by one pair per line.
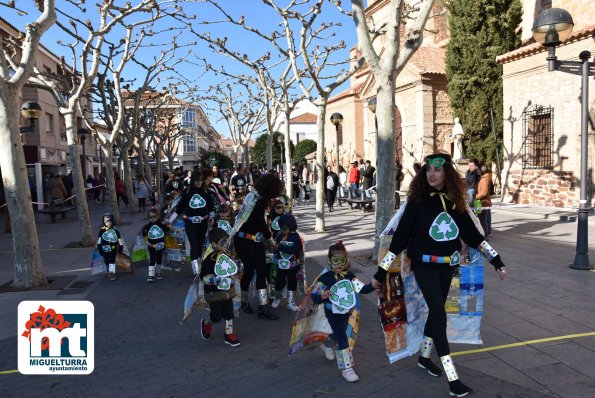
x,y
141,350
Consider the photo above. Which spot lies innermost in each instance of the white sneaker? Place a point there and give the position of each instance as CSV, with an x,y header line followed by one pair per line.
x,y
292,307
349,375
329,353
276,303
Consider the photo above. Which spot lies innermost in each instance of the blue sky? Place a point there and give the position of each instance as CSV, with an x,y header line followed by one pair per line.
x,y
255,14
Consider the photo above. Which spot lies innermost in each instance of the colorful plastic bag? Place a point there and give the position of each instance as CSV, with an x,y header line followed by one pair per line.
x,y
139,250
97,263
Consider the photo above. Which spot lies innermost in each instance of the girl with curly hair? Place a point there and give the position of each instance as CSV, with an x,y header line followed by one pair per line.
x,y
435,220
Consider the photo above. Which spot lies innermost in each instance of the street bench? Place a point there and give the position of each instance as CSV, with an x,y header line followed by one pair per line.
x,y
57,206
365,204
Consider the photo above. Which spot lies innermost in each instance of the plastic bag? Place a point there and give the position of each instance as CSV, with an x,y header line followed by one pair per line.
x,y
477,206
194,300
97,263
139,250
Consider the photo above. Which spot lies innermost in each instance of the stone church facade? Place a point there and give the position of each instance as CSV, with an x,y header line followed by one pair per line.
x,y
542,113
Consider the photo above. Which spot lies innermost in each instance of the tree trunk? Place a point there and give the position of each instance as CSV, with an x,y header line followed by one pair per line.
x,y
127,177
158,176
289,178
170,161
28,269
269,150
385,169
320,166
245,155
111,183
82,207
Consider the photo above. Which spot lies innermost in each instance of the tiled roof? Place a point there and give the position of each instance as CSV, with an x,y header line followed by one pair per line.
x,y
430,60
305,118
530,47
346,93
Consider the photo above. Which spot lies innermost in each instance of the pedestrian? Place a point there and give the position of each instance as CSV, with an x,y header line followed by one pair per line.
x,y
295,185
305,173
434,222
69,185
238,183
332,185
186,180
58,190
483,194
216,173
109,244
121,191
368,179
96,189
472,177
226,218
250,240
196,208
307,192
142,193
219,288
154,232
288,256
277,210
339,274
342,182
353,180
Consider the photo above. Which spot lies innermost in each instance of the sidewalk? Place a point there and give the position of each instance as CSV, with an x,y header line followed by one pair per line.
x,y
142,351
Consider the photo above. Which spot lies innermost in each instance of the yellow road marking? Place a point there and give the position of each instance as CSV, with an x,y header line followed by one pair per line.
x,y
5,372
521,343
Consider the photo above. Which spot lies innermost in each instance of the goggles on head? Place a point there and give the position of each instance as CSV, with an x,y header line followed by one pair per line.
x,y
437,161
338,260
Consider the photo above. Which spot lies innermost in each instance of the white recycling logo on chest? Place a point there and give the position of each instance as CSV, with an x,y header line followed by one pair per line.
x,y
225,266
197,202
224,225
444,228
275,224
155,232
110,236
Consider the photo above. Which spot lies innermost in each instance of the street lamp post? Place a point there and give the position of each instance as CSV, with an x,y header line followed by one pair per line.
x,y
337,120
551,28
32,111
83,133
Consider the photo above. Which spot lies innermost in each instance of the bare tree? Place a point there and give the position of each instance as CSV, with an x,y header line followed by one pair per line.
x,y
16,66
312,47
386,68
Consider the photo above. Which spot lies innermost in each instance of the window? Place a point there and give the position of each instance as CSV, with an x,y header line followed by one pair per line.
x,y
538,137
189,144
50,125
189,119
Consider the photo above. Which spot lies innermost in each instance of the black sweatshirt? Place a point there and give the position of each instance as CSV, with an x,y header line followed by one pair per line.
x,y
415,226
257,222
195,202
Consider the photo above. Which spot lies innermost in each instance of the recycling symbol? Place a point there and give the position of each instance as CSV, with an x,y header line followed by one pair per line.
x,y
155,232
455,259
285,256
240,182
224,225
225,266
110,236
342,296
275,223
224,284
444,228
175,185
197,202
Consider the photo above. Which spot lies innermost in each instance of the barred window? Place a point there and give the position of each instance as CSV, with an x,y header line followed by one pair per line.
x,y
538,137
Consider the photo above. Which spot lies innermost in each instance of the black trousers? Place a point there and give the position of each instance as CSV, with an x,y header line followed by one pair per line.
x,y
253,257
155,256
331,194
338,324
141,203
434,282
196,236
221,309
109,258
286,275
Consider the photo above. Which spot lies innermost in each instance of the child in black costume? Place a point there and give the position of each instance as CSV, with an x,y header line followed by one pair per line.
x,y
338,307
219,290
288,256
109,244
154,231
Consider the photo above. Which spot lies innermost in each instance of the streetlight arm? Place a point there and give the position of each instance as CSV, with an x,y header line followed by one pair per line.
x,y
573,67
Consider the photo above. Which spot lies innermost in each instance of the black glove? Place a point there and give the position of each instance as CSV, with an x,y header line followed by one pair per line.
x,y
497,262
120,249
380,275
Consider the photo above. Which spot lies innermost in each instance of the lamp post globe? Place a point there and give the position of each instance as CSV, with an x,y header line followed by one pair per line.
x,y
372,104
32,111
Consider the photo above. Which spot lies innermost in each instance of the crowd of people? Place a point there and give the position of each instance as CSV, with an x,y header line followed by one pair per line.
x,y
246,216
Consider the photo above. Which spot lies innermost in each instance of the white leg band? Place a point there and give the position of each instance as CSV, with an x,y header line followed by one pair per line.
x,y
112,268
344,358
426,347
449,368
229,326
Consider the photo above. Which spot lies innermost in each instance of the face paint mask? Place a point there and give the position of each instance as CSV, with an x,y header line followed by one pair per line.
x,y
436,162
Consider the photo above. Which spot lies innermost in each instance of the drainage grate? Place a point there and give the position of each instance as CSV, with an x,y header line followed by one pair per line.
x,y
78,287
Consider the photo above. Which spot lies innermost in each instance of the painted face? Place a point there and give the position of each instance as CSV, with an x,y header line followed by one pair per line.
x,y
107,221
339,261
435,176
279,209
